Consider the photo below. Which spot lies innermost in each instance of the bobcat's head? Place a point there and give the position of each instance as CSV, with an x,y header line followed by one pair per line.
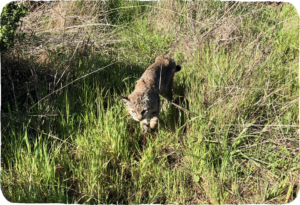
x,y
138,106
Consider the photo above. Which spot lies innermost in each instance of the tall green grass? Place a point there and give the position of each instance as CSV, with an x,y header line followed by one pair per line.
x,y
240,81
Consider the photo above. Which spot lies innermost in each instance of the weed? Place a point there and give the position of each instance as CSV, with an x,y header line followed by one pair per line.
x,y
66,137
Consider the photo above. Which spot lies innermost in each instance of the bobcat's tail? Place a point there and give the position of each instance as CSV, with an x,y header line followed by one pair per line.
x,y
178,68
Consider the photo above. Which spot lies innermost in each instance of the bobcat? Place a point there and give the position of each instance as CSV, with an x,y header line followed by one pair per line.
x,y
143,103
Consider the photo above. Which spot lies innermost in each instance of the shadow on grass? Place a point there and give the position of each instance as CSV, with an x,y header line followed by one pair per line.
x,y
25,83
172,118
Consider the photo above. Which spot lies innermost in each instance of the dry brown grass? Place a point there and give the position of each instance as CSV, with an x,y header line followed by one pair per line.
x,y
66,25
195,27
57,32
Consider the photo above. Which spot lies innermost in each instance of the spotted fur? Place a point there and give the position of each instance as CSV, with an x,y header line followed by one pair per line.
x,y
143,103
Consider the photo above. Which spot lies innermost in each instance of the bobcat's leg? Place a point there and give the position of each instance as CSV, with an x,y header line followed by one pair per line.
x,y
165,105
145,125
154,120
168,93
168,96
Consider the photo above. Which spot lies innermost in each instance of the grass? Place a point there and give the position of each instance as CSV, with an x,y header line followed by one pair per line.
x,y
66,137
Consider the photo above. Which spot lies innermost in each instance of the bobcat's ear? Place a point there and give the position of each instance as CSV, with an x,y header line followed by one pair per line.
x,y
125,99
178,68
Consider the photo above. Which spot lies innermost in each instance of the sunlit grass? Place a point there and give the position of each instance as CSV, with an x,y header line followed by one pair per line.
x,y
239,145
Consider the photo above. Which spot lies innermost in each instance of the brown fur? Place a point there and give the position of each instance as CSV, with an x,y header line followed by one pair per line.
x,y
143,103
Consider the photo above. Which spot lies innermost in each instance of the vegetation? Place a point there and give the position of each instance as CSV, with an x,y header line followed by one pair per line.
x,y
66,137
10,17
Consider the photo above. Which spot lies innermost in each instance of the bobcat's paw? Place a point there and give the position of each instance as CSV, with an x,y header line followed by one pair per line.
x,y
153,123
165,106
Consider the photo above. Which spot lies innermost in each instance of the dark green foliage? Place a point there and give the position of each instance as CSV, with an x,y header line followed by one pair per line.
x,y
10,17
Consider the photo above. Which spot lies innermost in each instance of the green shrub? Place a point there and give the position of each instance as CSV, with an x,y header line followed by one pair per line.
x,y
10,17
